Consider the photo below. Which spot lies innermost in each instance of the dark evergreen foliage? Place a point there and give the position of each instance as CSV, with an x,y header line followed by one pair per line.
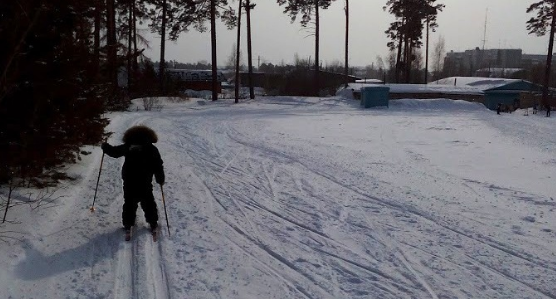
x,y
145,78
305,8
545,20
406,32
539,24
50,101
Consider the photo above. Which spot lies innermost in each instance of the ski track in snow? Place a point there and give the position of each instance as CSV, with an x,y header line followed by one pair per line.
x,y
305,198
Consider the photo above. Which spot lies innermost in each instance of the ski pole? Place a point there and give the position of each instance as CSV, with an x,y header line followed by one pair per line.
x,y
165,212
98,179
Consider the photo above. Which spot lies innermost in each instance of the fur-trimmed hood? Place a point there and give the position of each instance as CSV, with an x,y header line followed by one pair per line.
x,y
139,135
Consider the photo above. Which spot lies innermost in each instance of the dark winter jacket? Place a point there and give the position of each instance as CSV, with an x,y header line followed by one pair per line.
x,y
142,159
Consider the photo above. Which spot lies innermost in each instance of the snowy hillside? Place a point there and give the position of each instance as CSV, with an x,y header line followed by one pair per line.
x,y
304,198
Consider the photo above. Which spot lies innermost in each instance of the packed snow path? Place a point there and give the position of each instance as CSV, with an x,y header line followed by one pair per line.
x,y
313,198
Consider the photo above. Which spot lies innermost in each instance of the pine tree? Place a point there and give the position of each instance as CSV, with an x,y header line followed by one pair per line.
x,y
545,19
236,55
112,44
309,11
346,58
406,31
172,17
50,104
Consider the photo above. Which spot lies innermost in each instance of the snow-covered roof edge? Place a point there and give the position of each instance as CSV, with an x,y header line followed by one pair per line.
x,y
421,88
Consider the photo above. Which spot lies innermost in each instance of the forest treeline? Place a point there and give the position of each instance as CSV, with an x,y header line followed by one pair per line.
x,y
64,63
52,87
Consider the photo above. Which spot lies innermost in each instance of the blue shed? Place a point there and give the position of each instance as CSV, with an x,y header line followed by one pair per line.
x,y
509,93
374,96
497,90
503,97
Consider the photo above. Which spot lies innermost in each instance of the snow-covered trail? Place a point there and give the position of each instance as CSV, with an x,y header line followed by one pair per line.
x,y
70,252
309,198
324,219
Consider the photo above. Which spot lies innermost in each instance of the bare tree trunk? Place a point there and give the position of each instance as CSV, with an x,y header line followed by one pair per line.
x,y
346,64
248,7
213,48
238,49
111,43
162,65
398,61
427,54
317,66
407,60
96,34
548,66
399,56
135,63
129,45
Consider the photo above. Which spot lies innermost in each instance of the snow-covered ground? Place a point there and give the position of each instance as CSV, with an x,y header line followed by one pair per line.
x,y
304,198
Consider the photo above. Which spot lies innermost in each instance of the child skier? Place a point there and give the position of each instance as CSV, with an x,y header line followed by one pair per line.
x,y
142,161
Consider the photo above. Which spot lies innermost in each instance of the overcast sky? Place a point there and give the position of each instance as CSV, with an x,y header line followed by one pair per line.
x,y
276,40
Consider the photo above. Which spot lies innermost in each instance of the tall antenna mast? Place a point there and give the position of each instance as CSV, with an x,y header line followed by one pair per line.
x,y
483,54
485,31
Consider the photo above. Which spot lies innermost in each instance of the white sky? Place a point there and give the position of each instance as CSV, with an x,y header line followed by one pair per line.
x,y
276,39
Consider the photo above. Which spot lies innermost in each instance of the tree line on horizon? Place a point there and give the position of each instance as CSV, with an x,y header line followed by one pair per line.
x,y
64,63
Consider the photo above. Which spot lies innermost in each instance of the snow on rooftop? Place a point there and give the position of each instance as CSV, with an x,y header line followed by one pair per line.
x,y
369,81
500,70
481,83
421,88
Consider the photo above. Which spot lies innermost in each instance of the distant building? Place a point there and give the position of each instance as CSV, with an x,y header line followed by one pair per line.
x,y
417,91
195,79
490,62
510,93
514,93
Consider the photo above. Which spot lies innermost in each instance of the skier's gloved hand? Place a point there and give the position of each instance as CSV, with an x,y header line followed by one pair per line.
x,y
159,177
104,146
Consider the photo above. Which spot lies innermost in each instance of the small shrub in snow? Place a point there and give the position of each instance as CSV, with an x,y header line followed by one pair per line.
x,y
152,103
179,99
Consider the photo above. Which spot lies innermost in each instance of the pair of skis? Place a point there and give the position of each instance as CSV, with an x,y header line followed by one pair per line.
x,y
154,234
